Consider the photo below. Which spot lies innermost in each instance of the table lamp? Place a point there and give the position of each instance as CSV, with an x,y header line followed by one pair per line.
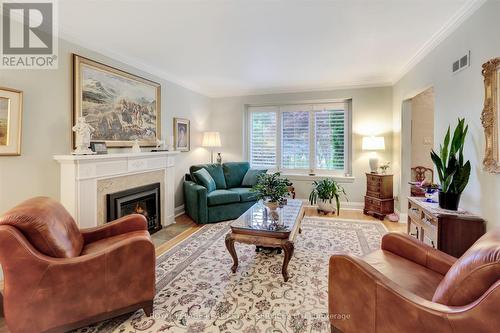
x,y
373,143
211,140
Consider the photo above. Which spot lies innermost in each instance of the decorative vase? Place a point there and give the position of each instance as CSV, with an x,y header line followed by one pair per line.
x,y
449,200
327,207
219,158
272,205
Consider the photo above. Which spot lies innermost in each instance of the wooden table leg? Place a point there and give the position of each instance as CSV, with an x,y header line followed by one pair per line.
x,y
288,248
232,251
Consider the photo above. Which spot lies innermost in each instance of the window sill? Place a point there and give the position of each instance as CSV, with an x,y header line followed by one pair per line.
x,y
337,178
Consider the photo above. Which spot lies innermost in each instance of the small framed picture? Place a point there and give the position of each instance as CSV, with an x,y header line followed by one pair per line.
x,y
99,147
11,109
182,132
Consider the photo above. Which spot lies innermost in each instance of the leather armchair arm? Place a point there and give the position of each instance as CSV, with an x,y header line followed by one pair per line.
x,y
412,249
129,223
98,280
195,198
361,299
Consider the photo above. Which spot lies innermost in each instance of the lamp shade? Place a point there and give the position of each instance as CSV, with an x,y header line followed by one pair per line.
x,y
211,139
373,143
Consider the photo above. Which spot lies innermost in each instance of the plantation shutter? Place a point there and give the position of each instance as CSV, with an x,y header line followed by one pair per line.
x,y
330,136
263,131
295,135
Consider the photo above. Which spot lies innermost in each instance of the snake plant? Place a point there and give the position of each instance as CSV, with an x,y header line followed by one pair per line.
x,y
452,171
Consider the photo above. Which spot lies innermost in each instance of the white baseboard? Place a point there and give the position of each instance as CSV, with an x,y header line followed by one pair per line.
x,y
178,211
343,204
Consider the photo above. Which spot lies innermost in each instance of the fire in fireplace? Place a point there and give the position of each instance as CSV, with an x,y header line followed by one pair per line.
x,y
143,200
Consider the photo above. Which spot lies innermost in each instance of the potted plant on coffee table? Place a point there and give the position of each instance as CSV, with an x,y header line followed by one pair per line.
x,y
324,192
453,172
272,189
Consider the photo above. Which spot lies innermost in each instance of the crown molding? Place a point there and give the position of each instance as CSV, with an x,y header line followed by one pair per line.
x,y
133,62
292,90
446,30
157,72
437,38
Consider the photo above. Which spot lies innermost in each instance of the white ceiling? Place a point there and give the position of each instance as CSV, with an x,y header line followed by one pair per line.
x,y
240,47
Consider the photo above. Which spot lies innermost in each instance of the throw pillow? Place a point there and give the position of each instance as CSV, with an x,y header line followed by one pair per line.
x,y
215,170
250,178
203,178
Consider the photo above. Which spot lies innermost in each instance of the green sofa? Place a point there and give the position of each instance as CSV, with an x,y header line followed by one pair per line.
x,y
228,201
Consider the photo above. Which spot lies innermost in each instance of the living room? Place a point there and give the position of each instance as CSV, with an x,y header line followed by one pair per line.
x,y
250,166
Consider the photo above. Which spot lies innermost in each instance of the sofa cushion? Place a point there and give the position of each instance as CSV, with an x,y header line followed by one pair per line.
x,y
203,178
221,197
47,226
234,173
245,194
251,177
215,170
411,276
473,273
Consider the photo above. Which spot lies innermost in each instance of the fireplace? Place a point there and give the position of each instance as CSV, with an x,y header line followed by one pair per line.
x,y
143,200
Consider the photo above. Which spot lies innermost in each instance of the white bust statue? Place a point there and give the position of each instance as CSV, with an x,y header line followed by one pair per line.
x,y
83,135
136,148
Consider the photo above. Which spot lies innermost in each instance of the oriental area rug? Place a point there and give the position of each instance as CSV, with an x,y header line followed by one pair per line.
x,y
196,291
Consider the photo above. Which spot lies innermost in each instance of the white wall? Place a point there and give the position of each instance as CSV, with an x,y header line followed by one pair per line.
x,y
372,114
459,95
47,125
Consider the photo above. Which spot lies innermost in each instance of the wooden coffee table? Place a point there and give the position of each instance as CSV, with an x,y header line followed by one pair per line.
x,y
258,226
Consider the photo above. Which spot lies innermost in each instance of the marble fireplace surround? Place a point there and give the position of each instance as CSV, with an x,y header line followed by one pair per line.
x,y
86,179
117,184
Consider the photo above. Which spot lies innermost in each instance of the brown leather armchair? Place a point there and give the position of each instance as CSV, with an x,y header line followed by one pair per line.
x,y
57,277
408,286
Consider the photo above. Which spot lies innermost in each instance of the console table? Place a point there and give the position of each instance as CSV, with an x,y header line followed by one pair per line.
x,y
449,231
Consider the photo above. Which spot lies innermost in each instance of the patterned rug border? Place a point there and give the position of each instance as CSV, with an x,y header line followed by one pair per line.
x,y
226,226
341,219
165,280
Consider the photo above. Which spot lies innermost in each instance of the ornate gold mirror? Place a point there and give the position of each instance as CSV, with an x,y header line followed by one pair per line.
x,y
490,116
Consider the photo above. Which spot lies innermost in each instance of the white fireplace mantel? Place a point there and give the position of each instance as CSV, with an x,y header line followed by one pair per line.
x,y
80,175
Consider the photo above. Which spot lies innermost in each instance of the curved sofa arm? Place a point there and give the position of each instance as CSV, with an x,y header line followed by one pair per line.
x,y
195,201
128,223
361,299
412,249
36,283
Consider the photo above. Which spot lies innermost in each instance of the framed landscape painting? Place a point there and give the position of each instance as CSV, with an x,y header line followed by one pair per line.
x,y
121,107
181,134
11,109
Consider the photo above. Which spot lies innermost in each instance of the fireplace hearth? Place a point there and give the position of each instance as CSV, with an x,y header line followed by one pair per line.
x,y
143,200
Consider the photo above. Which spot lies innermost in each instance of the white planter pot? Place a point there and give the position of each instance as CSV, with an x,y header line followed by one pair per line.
x,y
326,206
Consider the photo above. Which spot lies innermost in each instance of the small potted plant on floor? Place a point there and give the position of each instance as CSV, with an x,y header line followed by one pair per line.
x,y
323,193
453,172
272,189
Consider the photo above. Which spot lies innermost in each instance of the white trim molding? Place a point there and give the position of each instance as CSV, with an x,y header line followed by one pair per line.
x,y
81,174
437,38
179,210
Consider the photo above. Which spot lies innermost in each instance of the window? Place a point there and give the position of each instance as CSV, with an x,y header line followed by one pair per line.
x,y
301,138
263,139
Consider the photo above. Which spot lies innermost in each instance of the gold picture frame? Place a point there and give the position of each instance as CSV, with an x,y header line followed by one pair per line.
x,y
120,106
11,118
490,116
182,134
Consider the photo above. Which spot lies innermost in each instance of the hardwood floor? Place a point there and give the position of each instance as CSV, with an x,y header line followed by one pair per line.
x,y
184,226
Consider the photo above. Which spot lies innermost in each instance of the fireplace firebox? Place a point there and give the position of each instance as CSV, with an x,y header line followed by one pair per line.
x,y
143,200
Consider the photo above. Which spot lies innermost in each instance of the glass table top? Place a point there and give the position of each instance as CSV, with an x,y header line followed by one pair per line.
x,y
260,218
